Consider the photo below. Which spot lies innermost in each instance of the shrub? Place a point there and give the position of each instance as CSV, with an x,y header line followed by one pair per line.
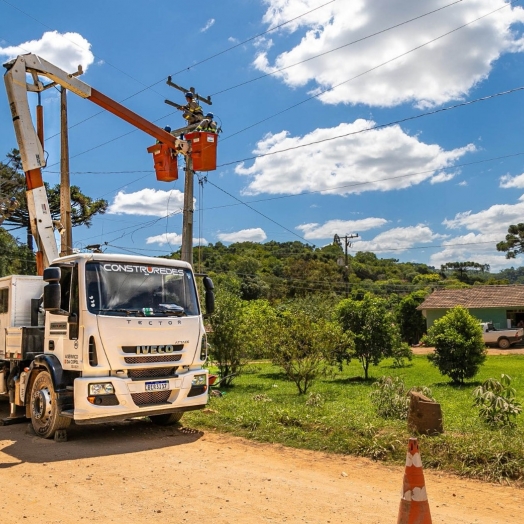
x,y
459,347
496,402
389,397
400,354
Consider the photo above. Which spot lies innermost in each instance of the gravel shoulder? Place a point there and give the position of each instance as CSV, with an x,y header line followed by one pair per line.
x,y
138,472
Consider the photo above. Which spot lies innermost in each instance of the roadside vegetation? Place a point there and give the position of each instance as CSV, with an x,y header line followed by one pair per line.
x,y
319,357
339,415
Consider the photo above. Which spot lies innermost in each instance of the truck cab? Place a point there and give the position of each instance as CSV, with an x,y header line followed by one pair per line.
x,y
123,336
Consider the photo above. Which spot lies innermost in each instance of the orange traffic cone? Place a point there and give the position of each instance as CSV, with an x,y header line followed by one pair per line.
x,y
414,505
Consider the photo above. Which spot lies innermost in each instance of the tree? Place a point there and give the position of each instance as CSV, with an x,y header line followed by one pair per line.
x,y
305,347
462,270
373,326
15,259
459,347
514,243
227,340
412,323
12,179
259,324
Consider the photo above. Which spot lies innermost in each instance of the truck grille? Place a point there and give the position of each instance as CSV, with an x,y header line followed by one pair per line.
x,y
151,397
155,358
153,372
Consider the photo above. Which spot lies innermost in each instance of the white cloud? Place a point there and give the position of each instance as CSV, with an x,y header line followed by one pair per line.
x,y
148,202
507,181
381,159
417,76
209,23
340,227
476,247
173,239
397,239
245,235
492,222
483,230
65,50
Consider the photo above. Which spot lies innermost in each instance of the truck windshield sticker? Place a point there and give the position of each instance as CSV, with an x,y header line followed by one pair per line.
x,y
145,270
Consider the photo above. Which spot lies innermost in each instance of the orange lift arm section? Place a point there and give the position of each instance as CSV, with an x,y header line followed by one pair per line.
x,y
126,114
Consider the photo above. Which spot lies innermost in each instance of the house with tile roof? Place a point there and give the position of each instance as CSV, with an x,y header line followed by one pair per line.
x,y
502,305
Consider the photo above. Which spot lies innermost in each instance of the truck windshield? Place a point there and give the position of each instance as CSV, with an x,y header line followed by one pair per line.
x,y
122,289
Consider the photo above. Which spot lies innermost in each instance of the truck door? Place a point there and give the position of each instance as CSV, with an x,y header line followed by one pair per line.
x,y
65,335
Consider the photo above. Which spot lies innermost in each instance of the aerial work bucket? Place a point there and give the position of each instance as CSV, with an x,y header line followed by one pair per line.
x,y
166,166
203,150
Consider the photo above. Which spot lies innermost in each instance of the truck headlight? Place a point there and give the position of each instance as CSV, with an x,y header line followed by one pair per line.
x,y
104,388
199,380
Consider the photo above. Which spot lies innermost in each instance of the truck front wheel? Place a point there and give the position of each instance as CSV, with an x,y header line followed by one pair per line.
x,y
504,343
166,420
44,409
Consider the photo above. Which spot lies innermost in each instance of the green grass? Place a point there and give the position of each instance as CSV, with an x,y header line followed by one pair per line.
x,y
262,405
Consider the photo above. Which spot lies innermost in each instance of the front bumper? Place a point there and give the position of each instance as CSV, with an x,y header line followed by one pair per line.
x,y
132,400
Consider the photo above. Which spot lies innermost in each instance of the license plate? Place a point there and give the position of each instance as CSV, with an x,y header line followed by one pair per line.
x,y
158,385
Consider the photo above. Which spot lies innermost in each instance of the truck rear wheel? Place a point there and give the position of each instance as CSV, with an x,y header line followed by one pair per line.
x,y
504,343
44,409
166,420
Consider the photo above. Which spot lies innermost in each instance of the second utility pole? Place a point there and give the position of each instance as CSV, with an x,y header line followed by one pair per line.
x,y
347,243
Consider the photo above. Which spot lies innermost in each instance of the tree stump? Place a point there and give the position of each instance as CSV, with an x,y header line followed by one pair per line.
x,y
424,415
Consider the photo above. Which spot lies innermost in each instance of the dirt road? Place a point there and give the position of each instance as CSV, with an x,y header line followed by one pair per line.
x,y
135,472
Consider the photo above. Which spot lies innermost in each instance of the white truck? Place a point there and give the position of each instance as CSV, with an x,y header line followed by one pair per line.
x,y
96,337
503,338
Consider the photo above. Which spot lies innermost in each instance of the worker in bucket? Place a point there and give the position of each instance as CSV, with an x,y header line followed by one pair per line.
x,y
208,125
168,130
192,111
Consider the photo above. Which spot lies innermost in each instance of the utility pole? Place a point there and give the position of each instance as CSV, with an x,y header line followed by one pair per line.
x,y
66,235
347,244
186,249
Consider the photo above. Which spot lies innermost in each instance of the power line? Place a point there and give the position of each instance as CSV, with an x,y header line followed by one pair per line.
x,y
379,126
239,202
150,86
328,90
332,88
337,48
258,212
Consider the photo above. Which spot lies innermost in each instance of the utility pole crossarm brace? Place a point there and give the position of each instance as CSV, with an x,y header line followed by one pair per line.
x,y
190,90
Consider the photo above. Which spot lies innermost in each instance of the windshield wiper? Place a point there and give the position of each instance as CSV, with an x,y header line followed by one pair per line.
x,y
135,312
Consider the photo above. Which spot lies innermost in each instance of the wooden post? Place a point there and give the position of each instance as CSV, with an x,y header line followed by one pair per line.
x,y
66,236
187,225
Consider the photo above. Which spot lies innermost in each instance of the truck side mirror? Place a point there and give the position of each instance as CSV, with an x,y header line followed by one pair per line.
x,y
210,295
210,302
52,297
52,293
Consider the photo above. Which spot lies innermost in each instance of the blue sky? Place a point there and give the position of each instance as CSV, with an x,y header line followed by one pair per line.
x,y
436,188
